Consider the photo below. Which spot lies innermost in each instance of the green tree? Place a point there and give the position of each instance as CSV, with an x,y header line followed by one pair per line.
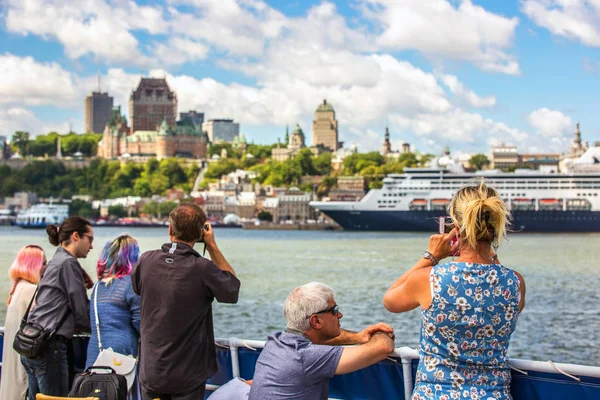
x,y
117,211
264,216
355,162
322,163
20,141
478,161
83,209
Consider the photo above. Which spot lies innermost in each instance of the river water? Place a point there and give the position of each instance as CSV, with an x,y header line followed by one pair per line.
x,y
561,321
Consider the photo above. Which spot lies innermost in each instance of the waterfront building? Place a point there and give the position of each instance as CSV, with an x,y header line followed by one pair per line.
x,y
504,157
349,188
96,111
293,206
151,104
357,183
21,200
294,145
184,139
221,130
325,128
215,204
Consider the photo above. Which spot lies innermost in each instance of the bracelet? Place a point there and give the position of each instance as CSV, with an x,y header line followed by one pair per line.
x,y
428,256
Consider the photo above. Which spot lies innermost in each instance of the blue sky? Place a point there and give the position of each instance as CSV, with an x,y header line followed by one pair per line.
x,y
463,74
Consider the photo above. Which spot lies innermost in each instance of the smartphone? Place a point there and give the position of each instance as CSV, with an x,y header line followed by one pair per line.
x,y
445,225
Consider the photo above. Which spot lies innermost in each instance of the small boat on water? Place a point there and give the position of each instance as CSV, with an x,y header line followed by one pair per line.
x,y
42,215
394,377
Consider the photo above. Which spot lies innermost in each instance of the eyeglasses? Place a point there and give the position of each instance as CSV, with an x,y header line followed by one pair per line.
x,y
90,237
334,310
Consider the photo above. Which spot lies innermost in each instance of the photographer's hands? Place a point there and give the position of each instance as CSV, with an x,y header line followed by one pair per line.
x,y
208,236
442,246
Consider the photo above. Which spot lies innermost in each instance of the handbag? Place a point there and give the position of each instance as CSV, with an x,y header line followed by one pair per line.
x,y
107,385
31,339
120,363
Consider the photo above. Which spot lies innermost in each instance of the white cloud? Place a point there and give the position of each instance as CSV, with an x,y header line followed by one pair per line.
x,y
552,126
458,89
14,119
574,19
438,28
94,27
24,81
239,27
179,50
458,128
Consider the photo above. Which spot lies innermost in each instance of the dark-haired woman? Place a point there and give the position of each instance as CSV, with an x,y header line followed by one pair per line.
x,y
61,306
115,303
469,306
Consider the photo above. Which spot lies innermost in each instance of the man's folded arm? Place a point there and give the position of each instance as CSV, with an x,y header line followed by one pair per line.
x,y
358,357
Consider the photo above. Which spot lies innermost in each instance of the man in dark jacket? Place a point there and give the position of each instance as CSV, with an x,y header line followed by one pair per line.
x,y
177,287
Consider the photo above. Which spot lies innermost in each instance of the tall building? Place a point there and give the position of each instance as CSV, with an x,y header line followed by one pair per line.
x,y
197,118
97,109
223,130
325,128
150,104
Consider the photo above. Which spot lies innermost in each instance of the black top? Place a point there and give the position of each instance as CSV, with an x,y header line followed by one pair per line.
x,y
177,287
61,290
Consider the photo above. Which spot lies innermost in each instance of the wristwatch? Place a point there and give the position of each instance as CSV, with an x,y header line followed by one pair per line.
x,y
427,255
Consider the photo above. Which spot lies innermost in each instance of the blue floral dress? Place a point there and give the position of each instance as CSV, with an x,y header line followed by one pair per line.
x,y
465,333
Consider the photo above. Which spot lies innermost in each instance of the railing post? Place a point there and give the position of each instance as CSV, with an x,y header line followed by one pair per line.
x,y
235,361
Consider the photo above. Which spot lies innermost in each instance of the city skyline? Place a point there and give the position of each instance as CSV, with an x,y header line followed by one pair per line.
x,y
463,74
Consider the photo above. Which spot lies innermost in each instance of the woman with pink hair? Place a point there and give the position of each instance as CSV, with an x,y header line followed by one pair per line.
x,y
25,273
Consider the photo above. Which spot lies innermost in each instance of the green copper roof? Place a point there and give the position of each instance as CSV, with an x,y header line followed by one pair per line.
x,y
297,130
324,107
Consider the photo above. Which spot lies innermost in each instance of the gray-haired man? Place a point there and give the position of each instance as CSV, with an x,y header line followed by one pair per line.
x,y
297,363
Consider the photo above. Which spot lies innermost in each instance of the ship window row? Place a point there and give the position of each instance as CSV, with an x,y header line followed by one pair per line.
x,y
388,201
394,194
587,194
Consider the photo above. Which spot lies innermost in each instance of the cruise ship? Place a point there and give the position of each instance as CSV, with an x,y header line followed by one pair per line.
x,y
414,200
41,215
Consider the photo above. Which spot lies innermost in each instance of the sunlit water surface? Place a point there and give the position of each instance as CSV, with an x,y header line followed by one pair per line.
x,y
561,320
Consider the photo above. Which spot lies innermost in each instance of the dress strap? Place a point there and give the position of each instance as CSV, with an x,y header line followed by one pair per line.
x,y
431,281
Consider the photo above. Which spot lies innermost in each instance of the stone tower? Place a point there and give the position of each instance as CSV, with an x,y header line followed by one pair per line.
x,y
150,104
325,127
387,145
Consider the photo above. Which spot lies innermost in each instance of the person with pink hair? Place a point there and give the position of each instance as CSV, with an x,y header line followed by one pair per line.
x,y
25,273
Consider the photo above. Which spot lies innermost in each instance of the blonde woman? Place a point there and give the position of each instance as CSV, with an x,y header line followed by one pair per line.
x,y
469,305
25,273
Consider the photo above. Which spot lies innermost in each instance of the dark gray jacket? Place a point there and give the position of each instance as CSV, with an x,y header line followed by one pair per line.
x,y
62,290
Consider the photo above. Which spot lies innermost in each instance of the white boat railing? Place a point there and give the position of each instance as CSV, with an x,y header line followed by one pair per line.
x,y
407,355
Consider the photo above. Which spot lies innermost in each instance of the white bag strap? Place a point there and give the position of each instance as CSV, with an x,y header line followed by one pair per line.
x,y
95,289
